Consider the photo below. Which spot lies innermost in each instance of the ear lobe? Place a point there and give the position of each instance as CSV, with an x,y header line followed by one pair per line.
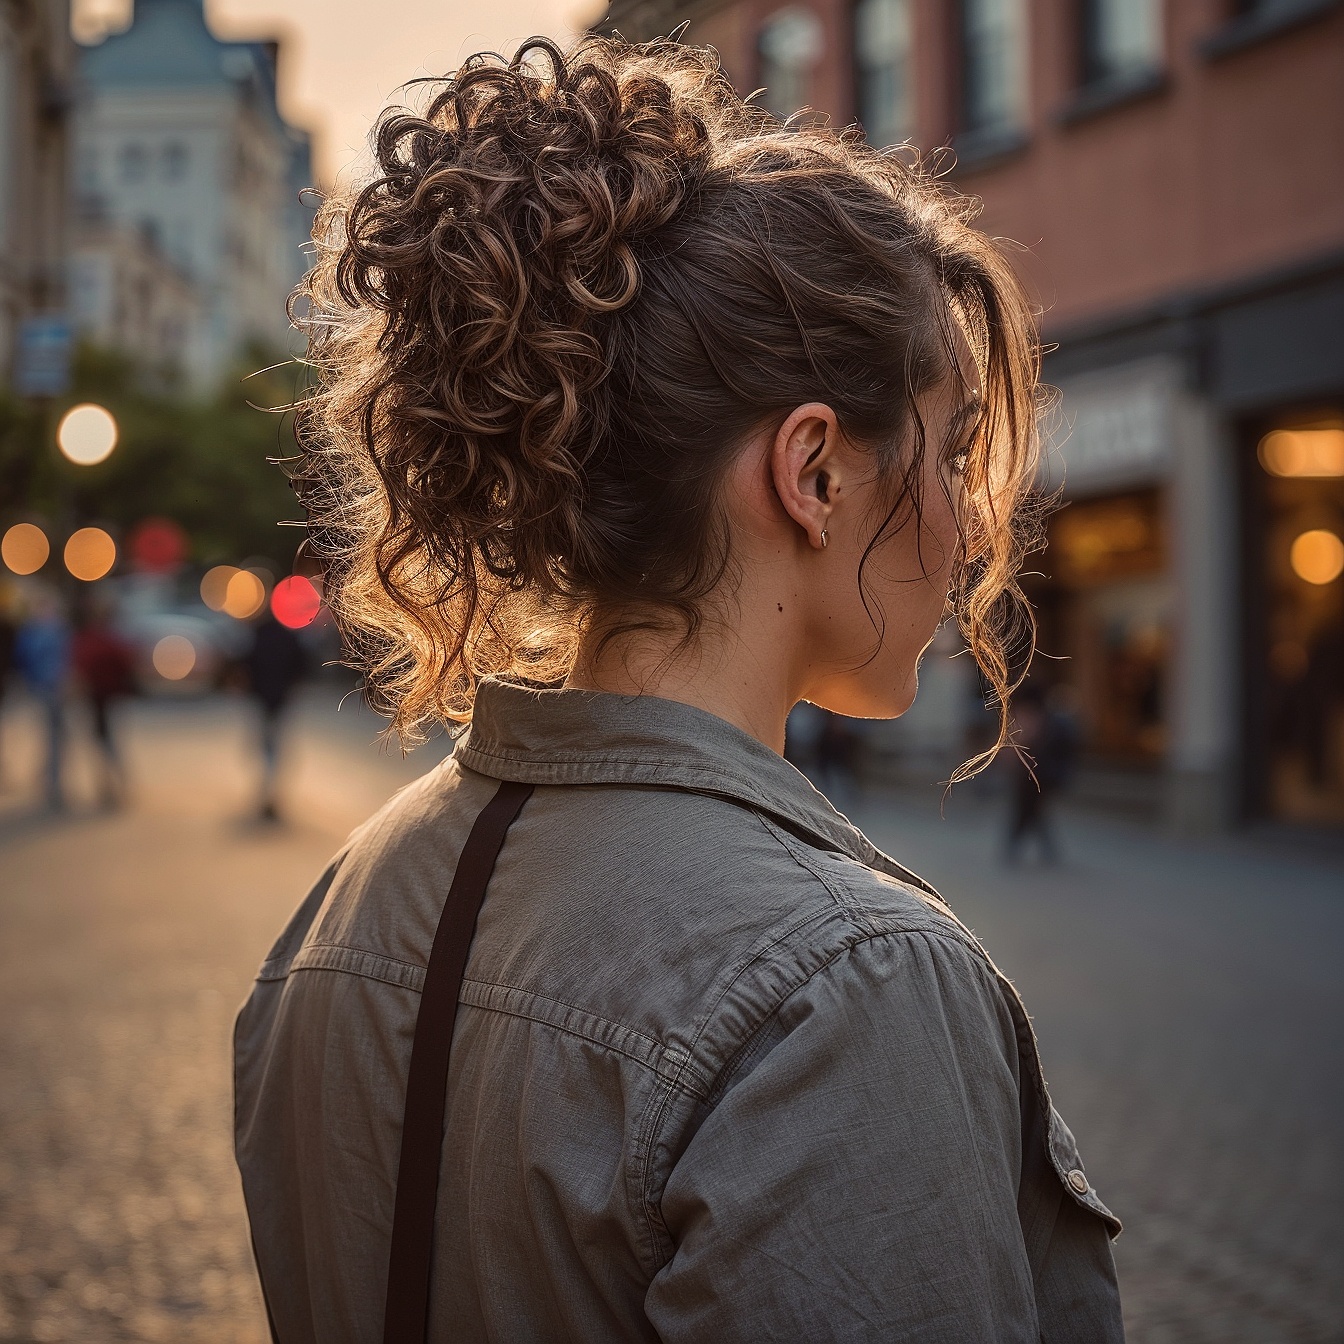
x,y
803,466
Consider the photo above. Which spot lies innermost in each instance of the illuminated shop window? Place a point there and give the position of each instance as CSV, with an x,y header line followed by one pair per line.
x,y
1300,482
1106,619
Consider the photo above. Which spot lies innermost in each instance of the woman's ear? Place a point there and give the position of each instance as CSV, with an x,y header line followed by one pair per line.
x,y
805,468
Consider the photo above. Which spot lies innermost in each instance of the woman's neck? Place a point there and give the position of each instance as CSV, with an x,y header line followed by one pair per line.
x,y
734,670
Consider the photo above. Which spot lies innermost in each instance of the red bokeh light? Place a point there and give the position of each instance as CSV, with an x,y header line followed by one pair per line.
x,y
158,545
295,602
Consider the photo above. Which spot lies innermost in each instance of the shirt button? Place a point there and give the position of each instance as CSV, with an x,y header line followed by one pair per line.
x,y
1078,1181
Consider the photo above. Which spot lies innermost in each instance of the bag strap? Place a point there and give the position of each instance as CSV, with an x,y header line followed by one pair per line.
x,y
405,1317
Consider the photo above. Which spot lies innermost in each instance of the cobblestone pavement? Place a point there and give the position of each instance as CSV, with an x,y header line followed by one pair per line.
x,y
1187,998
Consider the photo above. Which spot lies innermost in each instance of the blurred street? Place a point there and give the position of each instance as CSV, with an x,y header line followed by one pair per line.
x,y
1187,997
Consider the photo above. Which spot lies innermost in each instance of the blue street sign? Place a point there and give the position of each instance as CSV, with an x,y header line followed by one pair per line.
x,y
42,359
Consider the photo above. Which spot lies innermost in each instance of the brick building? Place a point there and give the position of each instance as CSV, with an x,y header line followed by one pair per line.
x,y
1175,172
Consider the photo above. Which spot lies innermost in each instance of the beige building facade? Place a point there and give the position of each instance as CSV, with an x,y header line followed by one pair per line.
x,y
127,294
36,65
179,148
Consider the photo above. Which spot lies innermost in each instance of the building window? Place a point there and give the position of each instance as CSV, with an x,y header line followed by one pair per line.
x,y
133,162
883,69
789,46
86,173
993,64
174,161
1120,39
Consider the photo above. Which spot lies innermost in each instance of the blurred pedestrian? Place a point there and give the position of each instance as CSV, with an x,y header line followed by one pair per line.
x,y
720,1069
275,665
104,663
42,656
1047,732
802,736
9,629
838,746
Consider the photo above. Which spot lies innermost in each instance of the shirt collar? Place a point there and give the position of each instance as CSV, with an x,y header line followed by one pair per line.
x,y
543,736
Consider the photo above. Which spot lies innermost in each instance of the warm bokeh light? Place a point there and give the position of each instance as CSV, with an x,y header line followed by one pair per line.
x,y
295,602
25,548
174,656
1317,556
90,553
215,586
87,434
1303,452
244,596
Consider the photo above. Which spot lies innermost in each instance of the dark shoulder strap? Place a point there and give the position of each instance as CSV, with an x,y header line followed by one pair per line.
x,y
406,1314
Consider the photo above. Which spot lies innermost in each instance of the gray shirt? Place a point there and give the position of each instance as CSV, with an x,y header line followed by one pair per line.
x,y
722,1070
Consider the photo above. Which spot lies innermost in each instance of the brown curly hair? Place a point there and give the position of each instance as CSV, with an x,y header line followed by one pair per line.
x,y
573,287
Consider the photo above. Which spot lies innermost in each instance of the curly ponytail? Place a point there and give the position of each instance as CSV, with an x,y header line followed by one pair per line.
x,y
542,329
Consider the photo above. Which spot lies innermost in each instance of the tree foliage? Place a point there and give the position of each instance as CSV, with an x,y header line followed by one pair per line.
x,y
208,464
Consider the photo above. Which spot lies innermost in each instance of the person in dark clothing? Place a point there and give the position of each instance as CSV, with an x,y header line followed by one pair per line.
x,y
8,633
275,665
1321,690
837,758
42,656
1047,732
104,662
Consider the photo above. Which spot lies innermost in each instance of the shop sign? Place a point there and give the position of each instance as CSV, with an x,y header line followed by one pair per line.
x,y
42,361
1112,430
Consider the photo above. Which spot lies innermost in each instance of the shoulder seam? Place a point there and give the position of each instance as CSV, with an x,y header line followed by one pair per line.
x,y
949,938
650,1131
791,848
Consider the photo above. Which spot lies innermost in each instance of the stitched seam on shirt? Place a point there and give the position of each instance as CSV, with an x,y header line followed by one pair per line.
x,y
746,795
661,1083
950,939
675,1083
652,1207
521,1013
656,1047
758,951
792,847
357,961
584,758
675,1080
755,955
801,854
562,1003
646,1184
407,975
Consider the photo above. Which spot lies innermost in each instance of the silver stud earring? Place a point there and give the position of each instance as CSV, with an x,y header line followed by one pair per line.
x,y
823,538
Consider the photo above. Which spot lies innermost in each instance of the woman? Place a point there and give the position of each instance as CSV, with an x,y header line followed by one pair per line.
x,y
641,418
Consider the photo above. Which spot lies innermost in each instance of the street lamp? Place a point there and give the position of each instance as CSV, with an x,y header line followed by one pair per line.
x,y
87,434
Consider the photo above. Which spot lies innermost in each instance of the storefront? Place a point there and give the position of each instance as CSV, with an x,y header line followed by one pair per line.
x,y
1294,489
1104,591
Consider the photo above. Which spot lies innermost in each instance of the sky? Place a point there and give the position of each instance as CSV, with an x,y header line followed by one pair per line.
x,y
342,60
